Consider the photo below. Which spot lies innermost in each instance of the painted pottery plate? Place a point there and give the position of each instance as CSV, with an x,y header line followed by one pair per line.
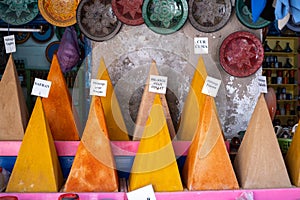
x,y
51,49
59,12
128,11
209,16
21,37
18,12
165,16
45,36
96,20
244,15
241,54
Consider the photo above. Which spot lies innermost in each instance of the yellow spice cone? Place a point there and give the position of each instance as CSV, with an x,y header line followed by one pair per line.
x,y
93,169
292,159
13,110
208,166
155,161
58,106
259,163
145,106
114,119
193,104
37,167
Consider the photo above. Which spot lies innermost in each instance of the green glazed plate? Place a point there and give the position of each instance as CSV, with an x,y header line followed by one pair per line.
x,y
16,12
165,16
244,15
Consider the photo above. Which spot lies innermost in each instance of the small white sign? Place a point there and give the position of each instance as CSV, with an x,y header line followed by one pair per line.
x,y
211,86
201,45
158,84
41,88
144,193
98,87
262,83
10,44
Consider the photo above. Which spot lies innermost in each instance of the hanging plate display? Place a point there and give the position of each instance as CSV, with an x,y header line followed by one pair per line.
x,y
244,15
241,54
18,12
209,16
51,50
96,20
21,37
45,36
165,16
59,12
128,11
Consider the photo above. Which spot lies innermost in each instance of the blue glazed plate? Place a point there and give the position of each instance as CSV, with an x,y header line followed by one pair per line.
x,y
51,50
44,36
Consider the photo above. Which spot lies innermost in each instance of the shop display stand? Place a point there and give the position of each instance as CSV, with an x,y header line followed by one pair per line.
x,y
124,153
280,66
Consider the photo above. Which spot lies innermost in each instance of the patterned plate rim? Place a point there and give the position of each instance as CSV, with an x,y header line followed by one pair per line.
x,y
165,31
198,27
52,20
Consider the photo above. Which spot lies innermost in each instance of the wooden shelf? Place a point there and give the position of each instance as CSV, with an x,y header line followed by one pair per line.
x,y
281,69
283,54
283,85
287,101
290,116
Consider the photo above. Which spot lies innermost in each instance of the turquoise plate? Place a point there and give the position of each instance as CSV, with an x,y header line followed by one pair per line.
x,y
165,16
18,12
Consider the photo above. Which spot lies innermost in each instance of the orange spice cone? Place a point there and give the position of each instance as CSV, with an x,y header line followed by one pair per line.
x,y
58,106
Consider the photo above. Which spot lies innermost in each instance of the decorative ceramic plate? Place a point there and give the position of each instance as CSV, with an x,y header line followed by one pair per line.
x,y
128,11
241,54
21,37
51,50
165,16
96,20
209,16
18,12
244,15
45,36
59,12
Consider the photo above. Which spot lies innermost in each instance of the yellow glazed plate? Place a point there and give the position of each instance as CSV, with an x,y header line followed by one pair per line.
x,y
60,13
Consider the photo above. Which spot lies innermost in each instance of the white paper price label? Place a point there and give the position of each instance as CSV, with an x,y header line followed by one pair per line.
x,y
10,44
262,83
211,86
41,88
158,84
144,193
98,87
201,45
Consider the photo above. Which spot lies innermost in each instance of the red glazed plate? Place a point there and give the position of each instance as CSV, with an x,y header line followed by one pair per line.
x,y
128,11
241,54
